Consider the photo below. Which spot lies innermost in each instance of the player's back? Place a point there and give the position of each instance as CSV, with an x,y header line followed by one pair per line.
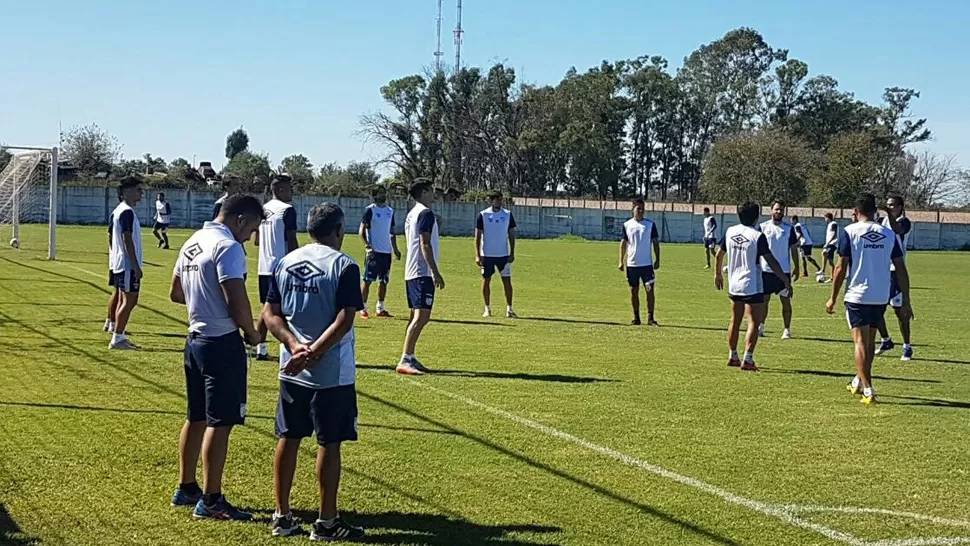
x,y
277,217
740,244
832,233
710,227
870,248
806,236
205,261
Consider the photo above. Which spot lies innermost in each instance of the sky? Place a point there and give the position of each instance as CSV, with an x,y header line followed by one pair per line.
x,y
174,77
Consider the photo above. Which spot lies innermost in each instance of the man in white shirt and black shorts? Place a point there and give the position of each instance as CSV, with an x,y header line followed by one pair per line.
x,y
710,236
377,232
495,249
783,243
639,263
163,215
831,243
125,259
275,238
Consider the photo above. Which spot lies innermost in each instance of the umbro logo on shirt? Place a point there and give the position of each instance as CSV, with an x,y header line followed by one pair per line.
x,y
874,239
739,239
304,271
192,252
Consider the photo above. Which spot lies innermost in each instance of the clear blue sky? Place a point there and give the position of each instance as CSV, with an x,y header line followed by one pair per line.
x,y
173,78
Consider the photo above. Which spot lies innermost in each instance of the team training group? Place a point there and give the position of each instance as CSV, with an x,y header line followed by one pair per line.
x,y
312,294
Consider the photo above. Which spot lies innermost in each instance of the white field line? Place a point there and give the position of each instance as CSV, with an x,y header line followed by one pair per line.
x,y
787,514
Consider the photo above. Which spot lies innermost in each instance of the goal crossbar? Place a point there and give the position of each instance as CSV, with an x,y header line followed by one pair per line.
x,y
52,204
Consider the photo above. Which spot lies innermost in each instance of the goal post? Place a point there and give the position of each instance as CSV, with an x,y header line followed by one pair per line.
x,y
28,195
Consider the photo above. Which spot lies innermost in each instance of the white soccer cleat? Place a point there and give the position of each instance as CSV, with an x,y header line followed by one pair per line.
x,y
123,345
406,367
487,314
786,334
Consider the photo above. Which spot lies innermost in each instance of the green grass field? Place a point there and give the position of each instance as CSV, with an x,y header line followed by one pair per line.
x,y
564,427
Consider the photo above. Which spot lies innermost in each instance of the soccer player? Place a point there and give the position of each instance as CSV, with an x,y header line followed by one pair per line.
x,y
495,249
710,236
228,188
896,220
866,251
311,305
275,238
163,214
831,242
743,245
783,243
805,246
421,272
377,232
209,279
109,323
125,259
639,234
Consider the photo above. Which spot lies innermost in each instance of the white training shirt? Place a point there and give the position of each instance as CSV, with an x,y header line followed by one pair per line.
x,y
710,228
379,222
209,258
124,220
805,238
163,212
419,220
638,236
870,248
278,218
907,228
495,227
832,234
744,246
781,237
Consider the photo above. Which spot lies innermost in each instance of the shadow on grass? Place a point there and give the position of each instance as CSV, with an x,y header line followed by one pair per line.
x,y
941,360
470,322
705,328
552,378
432,529
10,532
918,401
846,341
572,321
134,411
822,373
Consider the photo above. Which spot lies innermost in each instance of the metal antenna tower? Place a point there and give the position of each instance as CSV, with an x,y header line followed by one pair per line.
x,y
458,36
438,53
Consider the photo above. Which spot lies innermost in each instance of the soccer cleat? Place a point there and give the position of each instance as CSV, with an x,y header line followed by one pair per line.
x,y
123,345
853,390
160,244
340,530
761,330
285,526
869,400
635,321
263,358
486,314
417,365
734,363
364,315
511,314
748,367
652,322
406,367
182,498
384,314
165,246
708,266
221,509
786,334
907,354
886,346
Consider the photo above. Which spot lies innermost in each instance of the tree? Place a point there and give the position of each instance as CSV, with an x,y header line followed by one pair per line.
x,y
936,180
761,165
251,169
362,175
90,149
300,169
848,169
236,143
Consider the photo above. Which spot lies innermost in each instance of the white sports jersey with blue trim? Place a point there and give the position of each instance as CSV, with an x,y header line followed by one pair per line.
x,y
870,249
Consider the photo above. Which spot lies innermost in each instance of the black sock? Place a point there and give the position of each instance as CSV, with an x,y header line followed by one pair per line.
x,y
191,488
209,500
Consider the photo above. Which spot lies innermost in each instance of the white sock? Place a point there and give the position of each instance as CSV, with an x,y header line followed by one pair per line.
x,y
867,392
748,356
508,308
111,327
907,346
117,338
887,339
488,308
733,355
855,382
279,515
380,305
328,523
261,349
365,307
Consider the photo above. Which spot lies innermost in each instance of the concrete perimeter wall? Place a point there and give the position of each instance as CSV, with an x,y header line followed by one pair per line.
x,y
545,218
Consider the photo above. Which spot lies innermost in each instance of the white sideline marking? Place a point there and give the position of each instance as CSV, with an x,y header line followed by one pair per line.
x,y
784,513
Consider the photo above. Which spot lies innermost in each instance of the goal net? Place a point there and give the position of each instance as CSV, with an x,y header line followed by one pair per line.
x,y
27,200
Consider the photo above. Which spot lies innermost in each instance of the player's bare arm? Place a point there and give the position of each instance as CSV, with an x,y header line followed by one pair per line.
x,y
622,264
363,237
838,277
478,247
175,292
397,252
275,321
428,252
511,245
239,309
656,254
902,279
291,242
719,264
795,263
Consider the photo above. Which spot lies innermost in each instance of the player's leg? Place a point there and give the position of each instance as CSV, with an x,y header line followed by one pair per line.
x,y
763,318
365,295
294,422
754,314
262,351
335,415
487,294
156,231
421,300
811,260
381,296
650,285
419,319
370,275
734,331
188,492
635,303
904,330
164,231
126,304
786,314
886,343
707,253
109,323
507,286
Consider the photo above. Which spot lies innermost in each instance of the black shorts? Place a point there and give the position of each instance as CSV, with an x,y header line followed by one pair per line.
x,y
710,242
492,264
126,281
215,379
420,293
753,299
331,413
264,282
829,252
860,315
160,226
895,294
377,268
636,276
772,284
806,250
111,278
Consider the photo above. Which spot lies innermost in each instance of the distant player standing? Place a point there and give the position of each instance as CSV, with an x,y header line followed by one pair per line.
x,y
209,279
377,232
896,220
125,259
163,214
311,305
742,246
495,249
805,246
641,265
831,242
276,238
866,250
783,243
710,236
420,272
228,188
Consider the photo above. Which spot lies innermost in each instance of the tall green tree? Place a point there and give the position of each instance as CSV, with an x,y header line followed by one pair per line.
x,y
251,169
236,143
848,168
300,169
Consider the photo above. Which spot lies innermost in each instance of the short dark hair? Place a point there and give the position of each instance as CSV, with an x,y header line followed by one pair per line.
x,y
127,182
794,218
161,194
376,190
707,210
897,197
279,180
323,219
866,204
418,187
241,204
637,201
748,213
493,195
779,202
829,216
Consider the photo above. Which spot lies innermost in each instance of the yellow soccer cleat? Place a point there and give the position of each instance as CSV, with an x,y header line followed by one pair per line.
x,y
869,400
853,390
